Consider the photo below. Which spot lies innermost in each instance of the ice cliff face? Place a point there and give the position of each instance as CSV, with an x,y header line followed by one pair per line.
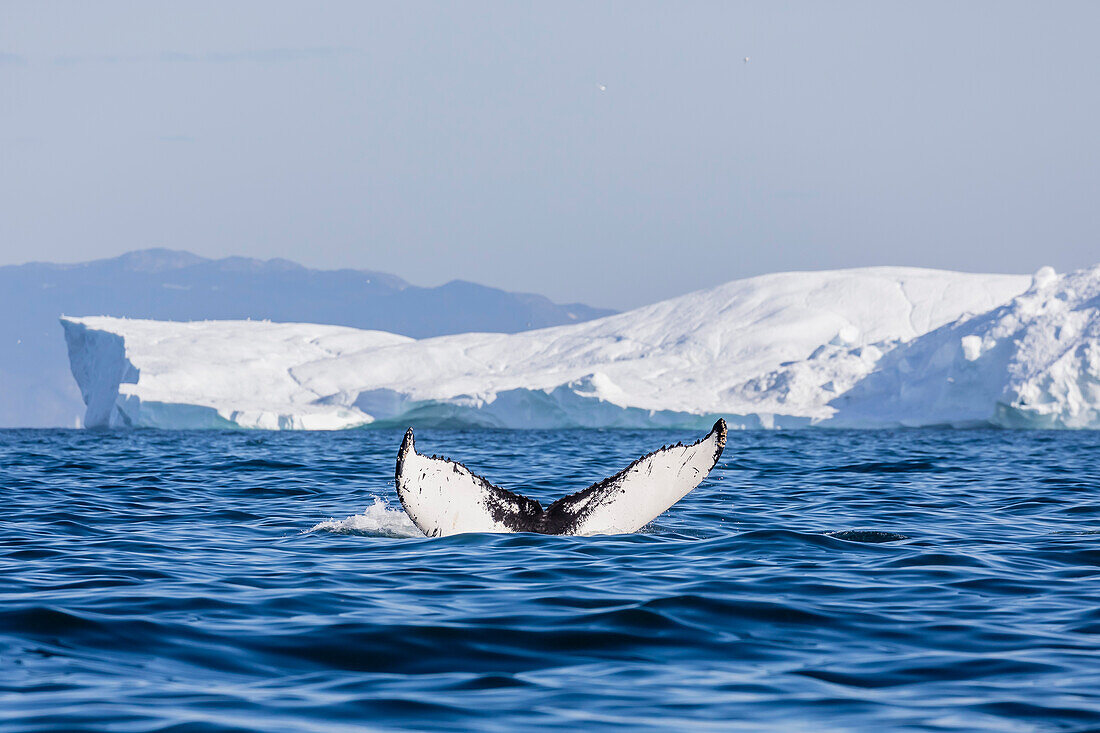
x,y
866,347
208,374
36,389
1033,362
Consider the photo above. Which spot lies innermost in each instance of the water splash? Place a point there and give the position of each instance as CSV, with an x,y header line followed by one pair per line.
x,y
378,520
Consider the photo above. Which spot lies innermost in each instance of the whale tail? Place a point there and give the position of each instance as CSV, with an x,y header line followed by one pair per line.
x,y
443,497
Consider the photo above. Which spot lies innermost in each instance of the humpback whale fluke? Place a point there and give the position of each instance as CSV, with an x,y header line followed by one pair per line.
x,y
443,497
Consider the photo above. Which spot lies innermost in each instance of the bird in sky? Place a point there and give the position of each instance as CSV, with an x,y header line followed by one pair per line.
x,y
746,59
603,87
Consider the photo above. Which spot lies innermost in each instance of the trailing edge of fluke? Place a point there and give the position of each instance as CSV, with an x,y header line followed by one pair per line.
x,y
443,497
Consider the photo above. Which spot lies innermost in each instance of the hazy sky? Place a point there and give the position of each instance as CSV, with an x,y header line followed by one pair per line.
x,y
473,140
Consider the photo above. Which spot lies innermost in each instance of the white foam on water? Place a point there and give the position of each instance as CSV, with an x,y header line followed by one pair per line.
x,y
379,520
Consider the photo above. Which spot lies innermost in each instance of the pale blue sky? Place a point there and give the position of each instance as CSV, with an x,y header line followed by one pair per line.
x,y
472,140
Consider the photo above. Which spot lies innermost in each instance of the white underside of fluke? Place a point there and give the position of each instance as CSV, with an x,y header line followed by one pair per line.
x,y
443,497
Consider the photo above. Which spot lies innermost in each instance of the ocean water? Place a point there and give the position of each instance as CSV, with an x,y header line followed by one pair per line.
x,y
210,581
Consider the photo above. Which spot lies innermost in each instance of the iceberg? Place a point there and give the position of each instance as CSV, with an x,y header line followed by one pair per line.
x,y
208,374
37,390
1031,363
868,347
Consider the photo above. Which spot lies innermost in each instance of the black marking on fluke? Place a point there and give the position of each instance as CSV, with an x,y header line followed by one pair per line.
x,y
522,514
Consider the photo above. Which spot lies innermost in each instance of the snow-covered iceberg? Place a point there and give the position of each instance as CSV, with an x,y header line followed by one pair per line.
x,y
37,389
1033,362
209,374
782,350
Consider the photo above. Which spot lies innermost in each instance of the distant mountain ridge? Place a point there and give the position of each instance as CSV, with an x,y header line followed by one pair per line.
x,y
37,388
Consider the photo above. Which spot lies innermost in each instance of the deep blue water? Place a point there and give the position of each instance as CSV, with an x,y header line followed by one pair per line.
x,y
179,581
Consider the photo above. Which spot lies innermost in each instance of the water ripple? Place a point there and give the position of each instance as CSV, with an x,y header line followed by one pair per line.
x,y
910,580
